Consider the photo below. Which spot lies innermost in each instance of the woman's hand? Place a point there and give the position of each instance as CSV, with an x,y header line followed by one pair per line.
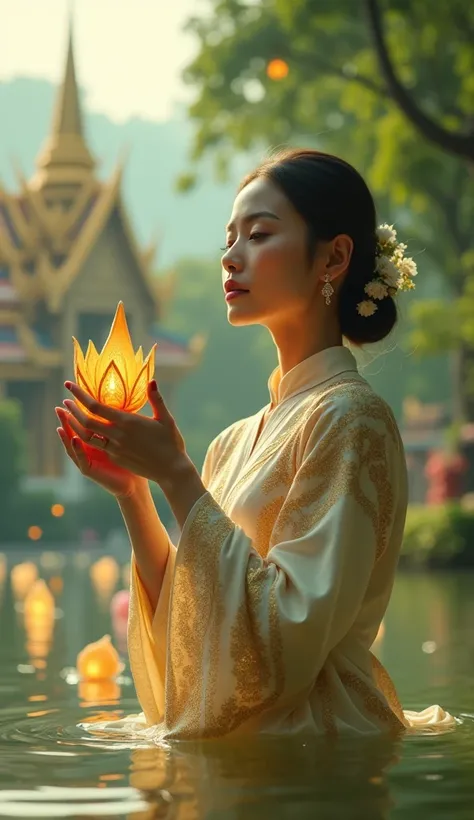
x,y
95,464
152,448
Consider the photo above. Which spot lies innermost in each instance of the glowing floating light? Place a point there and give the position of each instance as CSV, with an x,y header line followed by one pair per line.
x,y
117,377
99,661
22,577
35,533
104,574
277,69
39,602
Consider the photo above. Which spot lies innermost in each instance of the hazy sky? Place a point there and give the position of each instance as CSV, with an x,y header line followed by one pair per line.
x,y
129,53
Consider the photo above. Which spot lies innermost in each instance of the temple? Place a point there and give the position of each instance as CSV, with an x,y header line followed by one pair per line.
x,y
68,254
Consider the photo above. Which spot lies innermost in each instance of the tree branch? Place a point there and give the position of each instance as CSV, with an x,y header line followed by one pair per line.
x,y
461,145
311,62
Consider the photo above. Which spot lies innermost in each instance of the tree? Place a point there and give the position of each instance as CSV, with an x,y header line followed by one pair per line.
x,y
336,97
457,143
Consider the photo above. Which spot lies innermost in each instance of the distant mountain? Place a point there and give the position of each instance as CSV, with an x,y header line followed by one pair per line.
x,y
187,224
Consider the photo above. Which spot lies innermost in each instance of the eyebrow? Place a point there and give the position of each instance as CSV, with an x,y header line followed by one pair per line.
x,y
251,217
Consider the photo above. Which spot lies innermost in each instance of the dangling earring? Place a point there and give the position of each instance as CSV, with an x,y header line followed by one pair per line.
x,y
328,289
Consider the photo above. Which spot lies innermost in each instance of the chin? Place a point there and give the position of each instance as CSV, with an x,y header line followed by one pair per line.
x,y
241,321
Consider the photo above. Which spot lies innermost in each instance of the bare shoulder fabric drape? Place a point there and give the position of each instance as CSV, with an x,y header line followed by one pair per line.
x,y
276,590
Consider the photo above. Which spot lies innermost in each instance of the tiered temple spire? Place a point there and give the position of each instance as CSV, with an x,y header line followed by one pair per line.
x,y
65,157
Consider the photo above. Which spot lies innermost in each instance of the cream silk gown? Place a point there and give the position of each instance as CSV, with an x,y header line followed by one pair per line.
x,y
274,594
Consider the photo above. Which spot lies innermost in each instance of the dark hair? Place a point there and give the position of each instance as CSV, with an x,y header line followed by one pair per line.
x,y
333,199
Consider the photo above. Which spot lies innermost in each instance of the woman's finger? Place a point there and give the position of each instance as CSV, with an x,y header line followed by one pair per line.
x,y
76,453
87,422
78,430
66,430
80,455
63,419
93,405
66,441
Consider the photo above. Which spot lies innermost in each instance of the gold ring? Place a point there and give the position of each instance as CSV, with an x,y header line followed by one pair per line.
x,y
95,437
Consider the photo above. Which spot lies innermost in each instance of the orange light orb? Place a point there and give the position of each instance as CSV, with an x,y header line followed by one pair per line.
x,y
35,533
277,69
99,661
39,602
57,510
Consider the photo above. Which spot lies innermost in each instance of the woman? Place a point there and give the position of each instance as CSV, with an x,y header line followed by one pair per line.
x,y
262,616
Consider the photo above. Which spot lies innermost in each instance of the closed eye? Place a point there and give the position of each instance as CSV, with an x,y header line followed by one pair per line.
x,y
255,236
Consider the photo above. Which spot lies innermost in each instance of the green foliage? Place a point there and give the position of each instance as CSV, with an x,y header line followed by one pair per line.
x,y
439,536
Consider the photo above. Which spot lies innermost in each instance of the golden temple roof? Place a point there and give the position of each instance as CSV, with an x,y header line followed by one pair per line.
x,y
65,158
48,229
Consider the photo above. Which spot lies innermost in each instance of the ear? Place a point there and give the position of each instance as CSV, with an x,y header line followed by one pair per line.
x,y
338,256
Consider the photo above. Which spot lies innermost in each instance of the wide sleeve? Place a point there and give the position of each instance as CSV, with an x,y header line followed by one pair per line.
x,y
148,630
248,636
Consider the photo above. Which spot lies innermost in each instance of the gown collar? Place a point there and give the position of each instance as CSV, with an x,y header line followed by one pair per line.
x,y
310,372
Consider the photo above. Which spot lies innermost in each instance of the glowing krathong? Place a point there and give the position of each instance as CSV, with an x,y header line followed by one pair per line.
x,y
117,377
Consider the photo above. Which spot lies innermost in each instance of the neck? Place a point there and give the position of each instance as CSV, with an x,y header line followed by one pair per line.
x,y
300,341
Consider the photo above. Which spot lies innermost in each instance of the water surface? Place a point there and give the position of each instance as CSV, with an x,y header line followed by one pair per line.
x,y
51,767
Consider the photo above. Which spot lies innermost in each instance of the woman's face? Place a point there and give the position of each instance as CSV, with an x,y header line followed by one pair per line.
x,y
267,254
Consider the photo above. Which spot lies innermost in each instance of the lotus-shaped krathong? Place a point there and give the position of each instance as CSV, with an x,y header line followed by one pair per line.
x,y
117,377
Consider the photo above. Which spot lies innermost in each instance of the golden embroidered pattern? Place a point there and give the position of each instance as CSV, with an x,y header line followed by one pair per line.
x,y
235,650
194,582
197,589
324,691
372,702
387,687
334,469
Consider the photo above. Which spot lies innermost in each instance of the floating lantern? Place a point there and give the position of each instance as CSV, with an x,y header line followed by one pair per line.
x,y
35,533
39,602
117,377
104,574
277,69
99,661
22,578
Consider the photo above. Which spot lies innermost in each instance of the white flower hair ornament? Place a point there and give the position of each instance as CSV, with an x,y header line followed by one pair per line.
x,y
394,271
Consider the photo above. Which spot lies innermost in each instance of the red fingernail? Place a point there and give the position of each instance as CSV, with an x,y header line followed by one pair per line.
x,y
75,442
153,385
68,385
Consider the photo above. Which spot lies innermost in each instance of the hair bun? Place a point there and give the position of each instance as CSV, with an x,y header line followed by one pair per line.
x,y
359,329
